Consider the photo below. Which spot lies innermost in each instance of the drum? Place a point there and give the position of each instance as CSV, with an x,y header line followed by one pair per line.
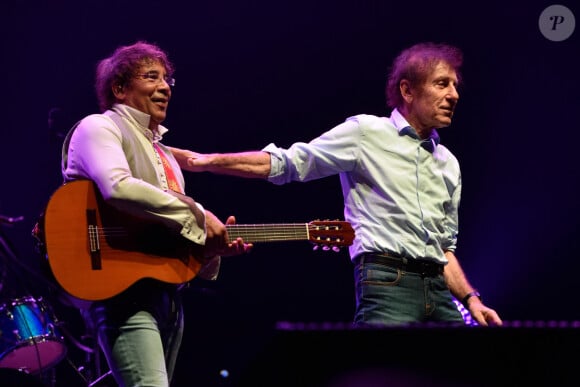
x,y
29,338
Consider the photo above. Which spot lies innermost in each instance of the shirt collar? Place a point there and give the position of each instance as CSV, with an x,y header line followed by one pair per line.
x,y
405,129
142,120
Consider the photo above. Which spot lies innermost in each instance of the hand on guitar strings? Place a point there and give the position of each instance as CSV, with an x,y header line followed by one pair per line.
x,y
217,241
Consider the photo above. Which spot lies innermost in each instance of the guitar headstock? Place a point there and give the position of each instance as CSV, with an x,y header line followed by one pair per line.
x,y
330,233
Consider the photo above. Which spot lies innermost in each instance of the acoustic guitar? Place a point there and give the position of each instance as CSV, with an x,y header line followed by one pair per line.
x,y
95,252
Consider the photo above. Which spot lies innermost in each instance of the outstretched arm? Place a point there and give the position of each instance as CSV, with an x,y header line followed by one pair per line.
x,y
460,287
252,164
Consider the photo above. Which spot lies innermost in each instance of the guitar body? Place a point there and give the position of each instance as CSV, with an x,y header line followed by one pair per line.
x,y
93,255
96,252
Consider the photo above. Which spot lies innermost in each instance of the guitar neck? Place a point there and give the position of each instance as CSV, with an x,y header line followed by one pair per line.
x,y
253,233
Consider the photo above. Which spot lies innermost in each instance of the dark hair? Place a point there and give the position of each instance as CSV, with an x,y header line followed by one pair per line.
x,y
415,64
118,69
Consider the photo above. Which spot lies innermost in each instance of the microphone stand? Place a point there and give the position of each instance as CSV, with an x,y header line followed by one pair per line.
x,y
9,257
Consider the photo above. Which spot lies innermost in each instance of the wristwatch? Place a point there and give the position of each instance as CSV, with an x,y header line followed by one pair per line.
x,y
475,293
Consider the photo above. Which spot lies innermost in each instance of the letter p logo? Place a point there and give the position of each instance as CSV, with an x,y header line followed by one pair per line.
x,y
557,23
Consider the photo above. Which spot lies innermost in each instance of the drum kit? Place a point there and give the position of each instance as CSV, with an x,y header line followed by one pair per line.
x,y
32,339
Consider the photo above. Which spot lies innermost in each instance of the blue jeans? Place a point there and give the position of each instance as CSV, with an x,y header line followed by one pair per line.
x,y
386,295
140,336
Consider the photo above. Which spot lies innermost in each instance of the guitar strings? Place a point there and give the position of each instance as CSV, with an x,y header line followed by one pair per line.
x,y
254,232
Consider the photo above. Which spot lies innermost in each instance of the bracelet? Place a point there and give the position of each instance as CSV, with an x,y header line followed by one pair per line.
x,y
475,293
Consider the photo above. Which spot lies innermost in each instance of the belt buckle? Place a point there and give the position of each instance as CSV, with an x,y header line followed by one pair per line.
x,y
426,269
423,269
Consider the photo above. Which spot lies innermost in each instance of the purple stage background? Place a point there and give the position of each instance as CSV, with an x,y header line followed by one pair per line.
x,y
253,72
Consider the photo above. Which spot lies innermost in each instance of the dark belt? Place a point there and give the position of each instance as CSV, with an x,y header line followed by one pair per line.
x,y
424,268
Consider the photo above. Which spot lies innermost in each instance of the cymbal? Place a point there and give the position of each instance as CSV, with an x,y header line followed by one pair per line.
x,y
10,219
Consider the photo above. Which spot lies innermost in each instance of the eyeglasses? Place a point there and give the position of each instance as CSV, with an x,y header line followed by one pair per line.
x,y
155,77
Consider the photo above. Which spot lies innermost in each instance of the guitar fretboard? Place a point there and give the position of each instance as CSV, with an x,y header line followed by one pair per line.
x,y
269,232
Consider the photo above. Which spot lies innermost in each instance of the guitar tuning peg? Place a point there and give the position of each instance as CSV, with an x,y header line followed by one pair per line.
x,y
336,249
325,248
315,247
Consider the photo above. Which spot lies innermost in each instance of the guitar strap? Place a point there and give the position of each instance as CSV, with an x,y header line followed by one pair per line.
x,y
169,173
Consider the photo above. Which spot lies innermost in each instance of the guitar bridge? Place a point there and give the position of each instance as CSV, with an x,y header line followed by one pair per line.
x,y
94,244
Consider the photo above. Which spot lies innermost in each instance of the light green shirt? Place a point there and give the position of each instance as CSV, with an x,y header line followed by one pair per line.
x,y
401,193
